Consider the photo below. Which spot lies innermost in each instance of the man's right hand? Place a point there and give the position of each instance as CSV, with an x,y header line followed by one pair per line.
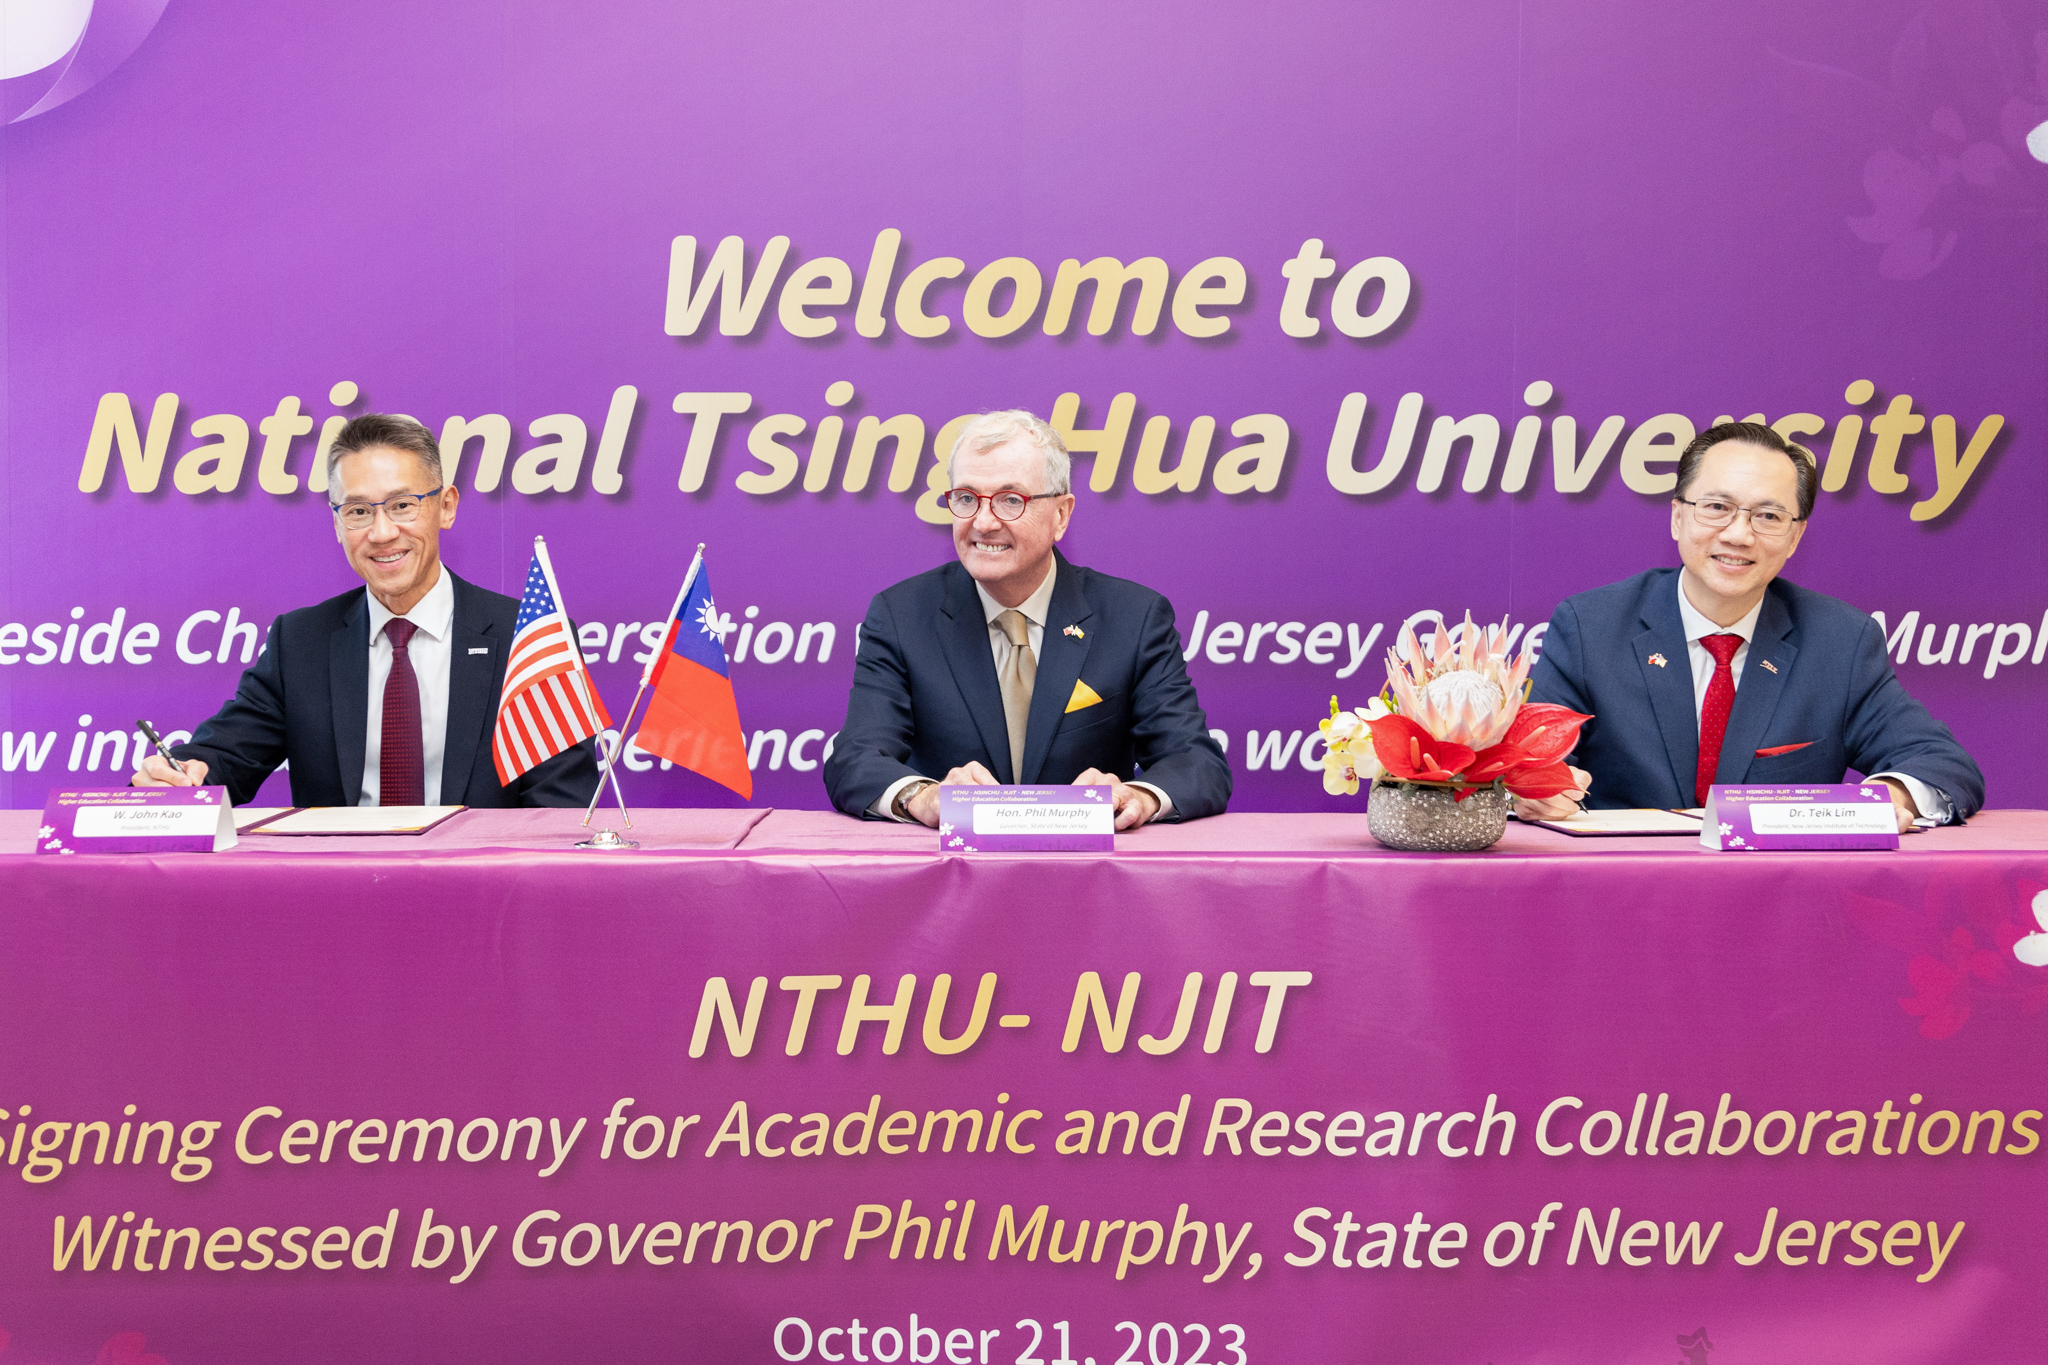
x,y
157,773
924,807
1562,806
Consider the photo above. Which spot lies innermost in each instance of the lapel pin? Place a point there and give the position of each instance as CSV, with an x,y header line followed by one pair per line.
x,y
1076,632
1768,664
1657,659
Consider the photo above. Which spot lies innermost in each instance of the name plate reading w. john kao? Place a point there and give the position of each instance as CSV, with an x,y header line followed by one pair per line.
x,y
1026,820
137,820
1841,816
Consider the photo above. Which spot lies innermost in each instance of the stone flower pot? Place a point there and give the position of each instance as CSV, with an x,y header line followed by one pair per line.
x,y
1426,818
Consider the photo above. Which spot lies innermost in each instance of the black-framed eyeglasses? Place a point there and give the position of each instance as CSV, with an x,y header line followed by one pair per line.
x,y
402,508
1713,514
965,503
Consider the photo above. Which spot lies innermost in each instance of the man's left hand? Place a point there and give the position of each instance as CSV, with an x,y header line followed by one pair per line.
x,y
1903,804
1134,805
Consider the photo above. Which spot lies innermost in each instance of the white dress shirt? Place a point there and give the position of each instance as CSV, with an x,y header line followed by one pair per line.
x,y
431,648
1933,802
1034,609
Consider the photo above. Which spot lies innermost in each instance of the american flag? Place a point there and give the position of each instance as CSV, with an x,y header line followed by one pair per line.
x,y
549,702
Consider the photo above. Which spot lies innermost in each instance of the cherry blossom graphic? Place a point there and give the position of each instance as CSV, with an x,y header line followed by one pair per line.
x,y
2033,949
125,1348
122,1348
1965,951
1953,131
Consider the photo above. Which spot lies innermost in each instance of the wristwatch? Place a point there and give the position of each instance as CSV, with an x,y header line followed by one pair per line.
x,y
901,807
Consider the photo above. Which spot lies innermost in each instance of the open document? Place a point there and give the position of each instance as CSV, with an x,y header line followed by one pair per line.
x,y
360,820
1597,823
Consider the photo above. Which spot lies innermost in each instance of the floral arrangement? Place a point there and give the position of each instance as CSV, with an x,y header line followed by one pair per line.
x,y
1457,717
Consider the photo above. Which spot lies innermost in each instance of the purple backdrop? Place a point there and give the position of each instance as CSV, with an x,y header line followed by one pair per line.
x,y
1818,208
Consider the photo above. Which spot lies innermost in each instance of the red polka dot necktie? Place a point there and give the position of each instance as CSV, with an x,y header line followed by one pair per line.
x,y
1714,711
401,763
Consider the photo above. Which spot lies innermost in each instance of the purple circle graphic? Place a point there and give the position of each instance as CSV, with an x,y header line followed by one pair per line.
x,y
113,31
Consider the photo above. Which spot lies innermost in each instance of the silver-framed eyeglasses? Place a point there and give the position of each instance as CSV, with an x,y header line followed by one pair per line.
x,y
402,508
965,503
1713,514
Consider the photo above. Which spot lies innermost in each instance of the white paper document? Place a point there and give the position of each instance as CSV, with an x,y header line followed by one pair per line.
x,y
358,820
1650,821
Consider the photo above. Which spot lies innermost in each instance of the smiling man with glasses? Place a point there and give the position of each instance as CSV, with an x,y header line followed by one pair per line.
x,y
1014,665
387,694
1721,671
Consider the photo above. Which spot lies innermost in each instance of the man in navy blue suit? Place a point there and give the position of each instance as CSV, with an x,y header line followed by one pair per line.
x,y
1722,672
388,694
1014,665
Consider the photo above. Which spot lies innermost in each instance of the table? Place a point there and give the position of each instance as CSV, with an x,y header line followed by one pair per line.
x,y
520,1044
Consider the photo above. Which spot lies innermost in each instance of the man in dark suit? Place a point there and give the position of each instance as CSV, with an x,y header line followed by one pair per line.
x,y
1722,672
1014,665
387,694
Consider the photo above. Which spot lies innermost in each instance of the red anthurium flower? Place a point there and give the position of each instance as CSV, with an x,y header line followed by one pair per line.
x,y
1533,782
1497,761
1544,732
1412,754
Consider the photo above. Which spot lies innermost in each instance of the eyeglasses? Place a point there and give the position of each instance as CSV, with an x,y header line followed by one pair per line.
x,y
402,508
965,503
1712,514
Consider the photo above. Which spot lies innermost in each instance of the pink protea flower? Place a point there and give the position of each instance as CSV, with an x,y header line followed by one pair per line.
x,y
1468,695
1456,717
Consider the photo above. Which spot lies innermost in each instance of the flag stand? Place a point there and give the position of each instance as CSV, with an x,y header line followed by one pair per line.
x,y
610,840
607,840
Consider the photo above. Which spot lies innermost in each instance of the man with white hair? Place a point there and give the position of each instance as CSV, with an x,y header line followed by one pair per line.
x,y
1014,665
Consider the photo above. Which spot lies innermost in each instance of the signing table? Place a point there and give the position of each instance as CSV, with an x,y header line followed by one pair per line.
x,y
1274,1089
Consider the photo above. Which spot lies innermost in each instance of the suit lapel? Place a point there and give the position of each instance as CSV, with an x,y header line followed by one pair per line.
x,y
1756,697
348,687
1669,683
1059,668
963,634
473,682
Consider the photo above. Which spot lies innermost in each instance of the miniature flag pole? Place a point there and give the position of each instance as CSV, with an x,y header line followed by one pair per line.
x,y
646,676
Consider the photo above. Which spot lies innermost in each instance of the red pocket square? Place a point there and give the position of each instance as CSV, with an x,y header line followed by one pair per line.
x,y
1775,750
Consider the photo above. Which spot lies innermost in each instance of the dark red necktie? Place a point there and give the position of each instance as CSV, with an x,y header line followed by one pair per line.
x,y
401,764
1714,711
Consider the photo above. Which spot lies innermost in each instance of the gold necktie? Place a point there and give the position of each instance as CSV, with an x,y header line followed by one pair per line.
x,y
1018,675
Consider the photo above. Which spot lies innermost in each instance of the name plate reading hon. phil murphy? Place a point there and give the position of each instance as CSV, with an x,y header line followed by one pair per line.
x,y
1026,820
1847,815
138,820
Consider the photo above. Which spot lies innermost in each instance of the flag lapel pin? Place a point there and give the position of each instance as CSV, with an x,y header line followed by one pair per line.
x,y
1076,632
1657,659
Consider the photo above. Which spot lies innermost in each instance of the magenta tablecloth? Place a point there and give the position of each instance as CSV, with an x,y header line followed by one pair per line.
x,y
485,975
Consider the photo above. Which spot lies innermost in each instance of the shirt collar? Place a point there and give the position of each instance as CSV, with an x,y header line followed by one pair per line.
x,y
1698,627
433,614
1034,607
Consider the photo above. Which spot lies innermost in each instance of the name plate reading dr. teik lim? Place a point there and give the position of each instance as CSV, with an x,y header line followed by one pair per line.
x,y
137,820
1847,815
1026,820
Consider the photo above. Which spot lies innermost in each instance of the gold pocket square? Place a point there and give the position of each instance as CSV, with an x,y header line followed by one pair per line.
x,y
1084,697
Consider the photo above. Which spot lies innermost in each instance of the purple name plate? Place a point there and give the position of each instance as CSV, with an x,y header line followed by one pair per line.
x,y
137,820
1847,815
1026,820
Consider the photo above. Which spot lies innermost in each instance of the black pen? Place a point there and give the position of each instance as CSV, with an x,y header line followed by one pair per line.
x,y
150,734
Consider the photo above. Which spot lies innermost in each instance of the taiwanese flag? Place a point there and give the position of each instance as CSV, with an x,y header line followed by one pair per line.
x,y
693,719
